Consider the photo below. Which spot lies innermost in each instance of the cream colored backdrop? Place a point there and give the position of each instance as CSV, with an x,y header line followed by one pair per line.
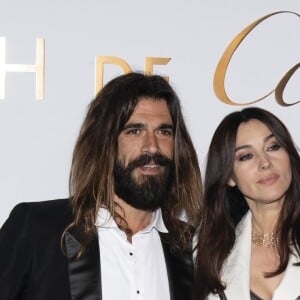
x,y
55,54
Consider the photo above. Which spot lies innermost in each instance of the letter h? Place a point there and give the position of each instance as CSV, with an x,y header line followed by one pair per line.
x,y
38,68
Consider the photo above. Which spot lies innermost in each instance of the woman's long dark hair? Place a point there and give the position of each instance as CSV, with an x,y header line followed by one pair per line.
x,y
224,206
95,154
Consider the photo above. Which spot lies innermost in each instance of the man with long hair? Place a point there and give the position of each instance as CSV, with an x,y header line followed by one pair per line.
x,y
119,236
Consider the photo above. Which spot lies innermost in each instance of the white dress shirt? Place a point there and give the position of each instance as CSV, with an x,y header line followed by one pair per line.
x,y
132,271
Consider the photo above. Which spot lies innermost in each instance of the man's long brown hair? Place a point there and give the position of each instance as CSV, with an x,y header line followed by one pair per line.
x,y
95,154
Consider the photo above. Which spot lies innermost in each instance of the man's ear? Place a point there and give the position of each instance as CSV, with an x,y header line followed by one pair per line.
x,y
231,182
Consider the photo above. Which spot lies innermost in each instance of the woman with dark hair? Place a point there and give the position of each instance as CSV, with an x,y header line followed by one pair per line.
x,y
248,243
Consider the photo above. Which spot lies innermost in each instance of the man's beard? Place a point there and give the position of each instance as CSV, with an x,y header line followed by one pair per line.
x,y
146,192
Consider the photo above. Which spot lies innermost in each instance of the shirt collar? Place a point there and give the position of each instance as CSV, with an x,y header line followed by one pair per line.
x,y
105,220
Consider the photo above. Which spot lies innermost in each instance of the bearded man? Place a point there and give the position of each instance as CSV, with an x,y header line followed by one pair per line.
x,y
119,235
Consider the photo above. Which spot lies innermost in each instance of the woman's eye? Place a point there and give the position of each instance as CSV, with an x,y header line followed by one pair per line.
x,y
274,147
245,157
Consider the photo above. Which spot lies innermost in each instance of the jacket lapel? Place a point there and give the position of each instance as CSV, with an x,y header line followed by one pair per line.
x,y
289,286
84,272
236,272
180,270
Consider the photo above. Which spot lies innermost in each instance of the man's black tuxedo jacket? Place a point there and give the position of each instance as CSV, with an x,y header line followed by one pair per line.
x,y
33,266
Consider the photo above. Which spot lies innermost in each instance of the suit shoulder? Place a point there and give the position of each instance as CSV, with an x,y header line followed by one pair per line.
x,y
52,211
49,206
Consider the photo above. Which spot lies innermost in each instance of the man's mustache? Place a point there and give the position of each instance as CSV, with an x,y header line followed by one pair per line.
x,y
145,159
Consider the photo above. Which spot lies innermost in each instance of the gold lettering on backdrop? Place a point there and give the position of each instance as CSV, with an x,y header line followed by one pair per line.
x,y
102,60
281,86
220,72
151,61
38,68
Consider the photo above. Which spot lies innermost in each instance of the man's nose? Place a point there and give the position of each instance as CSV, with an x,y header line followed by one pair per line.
x,y
150,144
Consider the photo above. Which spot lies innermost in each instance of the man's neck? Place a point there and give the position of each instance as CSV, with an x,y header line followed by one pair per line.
x,y
134,219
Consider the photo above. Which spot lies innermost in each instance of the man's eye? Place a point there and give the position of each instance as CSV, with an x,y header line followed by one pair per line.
x,y
133,131
166,132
